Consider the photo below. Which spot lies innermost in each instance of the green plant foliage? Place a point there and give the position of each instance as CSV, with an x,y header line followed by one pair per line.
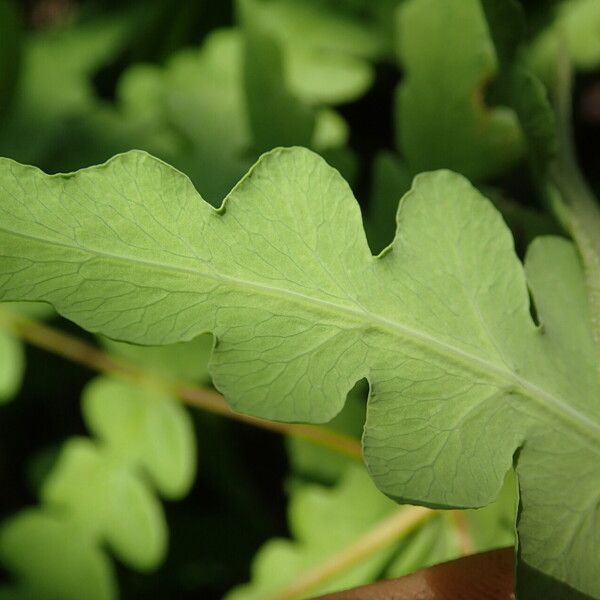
x,y
12,353
283,276
100,493
55,85
348,510
576,28
274,112
453,127
190,112
439,539
106,499
186,361
325,521
326,52
53,559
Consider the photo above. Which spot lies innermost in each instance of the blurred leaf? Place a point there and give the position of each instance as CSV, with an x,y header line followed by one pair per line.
x,y
442,118
331,130
186,361
54,559
322,522
55,83
325,52
576,25
526,93
106,499
532,105
506,21
140,427
12,353
190,112
302,310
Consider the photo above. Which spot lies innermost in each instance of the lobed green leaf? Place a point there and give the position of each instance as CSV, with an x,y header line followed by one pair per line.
x,y
143,428
106,500
442,116
463,381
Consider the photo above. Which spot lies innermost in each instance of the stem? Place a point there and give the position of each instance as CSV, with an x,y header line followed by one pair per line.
x,y
386,532
579,208
81,352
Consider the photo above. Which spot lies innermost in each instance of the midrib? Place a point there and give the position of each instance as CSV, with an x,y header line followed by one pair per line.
x,y
582,422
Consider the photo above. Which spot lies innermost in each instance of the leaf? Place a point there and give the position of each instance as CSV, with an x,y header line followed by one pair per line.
x,y
506,20
439,539
463,382
12,353
194,112
275,114
54,559
324,51
576,24
141,427
322,522
55,84
452,127
106,500
191,112
186,361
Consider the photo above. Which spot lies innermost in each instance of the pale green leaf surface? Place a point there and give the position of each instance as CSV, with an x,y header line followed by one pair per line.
x,y
193,113
274,113
54,559
57,67
442,118
462,380
331,130
143,428
391,180
323,521
108,501
12,353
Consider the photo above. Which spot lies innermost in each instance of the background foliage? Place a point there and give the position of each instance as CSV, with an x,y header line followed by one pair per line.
x,y
130,493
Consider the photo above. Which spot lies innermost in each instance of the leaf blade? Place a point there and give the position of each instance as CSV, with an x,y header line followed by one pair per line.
x,y
439,323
